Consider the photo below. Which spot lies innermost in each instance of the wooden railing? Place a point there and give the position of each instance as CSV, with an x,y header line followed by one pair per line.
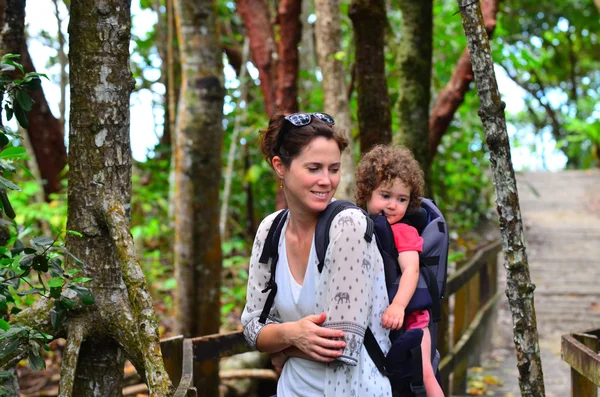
x,y
580,351
473,285
475,291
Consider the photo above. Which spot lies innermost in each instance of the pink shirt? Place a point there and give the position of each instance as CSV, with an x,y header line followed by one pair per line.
x,y
407,238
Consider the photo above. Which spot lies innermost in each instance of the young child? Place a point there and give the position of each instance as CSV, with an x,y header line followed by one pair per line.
x,y
390,181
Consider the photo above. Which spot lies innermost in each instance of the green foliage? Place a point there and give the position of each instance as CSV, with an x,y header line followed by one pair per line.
x,y
37,268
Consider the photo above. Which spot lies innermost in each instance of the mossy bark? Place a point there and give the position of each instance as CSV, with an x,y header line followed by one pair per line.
x,y
519,288
197,248
414,79
329,35
99,184
12,26
374,115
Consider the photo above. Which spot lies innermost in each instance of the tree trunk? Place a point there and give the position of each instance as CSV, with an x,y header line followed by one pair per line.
x,y
374,115
328,28
519,287
257,21
288,16
12,26
62,60
45,135
453,95
414,81
122,321
197,248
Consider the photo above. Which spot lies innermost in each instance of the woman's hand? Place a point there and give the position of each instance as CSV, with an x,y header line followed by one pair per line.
x,y
393,318
318,343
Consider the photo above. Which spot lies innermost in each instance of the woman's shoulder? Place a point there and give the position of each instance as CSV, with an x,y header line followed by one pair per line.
x,y
349,220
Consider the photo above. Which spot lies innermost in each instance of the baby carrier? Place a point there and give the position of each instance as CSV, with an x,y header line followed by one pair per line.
x,y
403,363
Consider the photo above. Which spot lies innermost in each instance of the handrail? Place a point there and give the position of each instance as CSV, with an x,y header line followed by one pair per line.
x,y
580,351
467,271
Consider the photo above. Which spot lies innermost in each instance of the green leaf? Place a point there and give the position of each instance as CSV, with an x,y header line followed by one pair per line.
x,y
29,292
82,279
42,241
69,303
36,362
55,267
7,346
6,184
26,170
9,112
56,282
4,325
75,233
21,115
55,292
58,314
12,152
40,263
24,99
3,138
32,83
72,272
86,296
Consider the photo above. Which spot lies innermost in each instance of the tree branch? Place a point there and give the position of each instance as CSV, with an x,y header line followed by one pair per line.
x,y
141,301
75,336
453,95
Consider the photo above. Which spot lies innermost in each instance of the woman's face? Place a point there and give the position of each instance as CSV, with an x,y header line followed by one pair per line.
x,y
312,177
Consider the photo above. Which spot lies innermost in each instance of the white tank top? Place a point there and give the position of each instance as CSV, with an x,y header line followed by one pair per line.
x,y
300,377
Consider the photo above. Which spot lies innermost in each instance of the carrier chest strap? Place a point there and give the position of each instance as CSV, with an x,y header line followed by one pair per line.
x,y
270,252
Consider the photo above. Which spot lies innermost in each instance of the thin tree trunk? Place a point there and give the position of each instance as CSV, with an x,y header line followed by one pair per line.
x,y
241,115
414,81
62,60
197,250
122,322
45,135
288,16
257,21
328,28
453,95
519,287
374,115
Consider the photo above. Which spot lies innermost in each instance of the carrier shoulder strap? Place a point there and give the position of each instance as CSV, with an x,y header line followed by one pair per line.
x,y
432,286
270,252
324,224
375,352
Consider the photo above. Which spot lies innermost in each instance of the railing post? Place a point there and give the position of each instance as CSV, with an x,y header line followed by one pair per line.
x,y
580,385
443,340
461,315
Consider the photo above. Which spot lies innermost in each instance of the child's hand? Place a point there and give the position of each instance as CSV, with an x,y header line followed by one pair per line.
x,y
393,318
278,360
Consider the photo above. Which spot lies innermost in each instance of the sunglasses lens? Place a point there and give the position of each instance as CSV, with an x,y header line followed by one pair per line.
x,y
324,117
299,119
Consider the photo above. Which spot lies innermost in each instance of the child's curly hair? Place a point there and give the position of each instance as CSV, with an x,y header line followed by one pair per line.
x,y
381,165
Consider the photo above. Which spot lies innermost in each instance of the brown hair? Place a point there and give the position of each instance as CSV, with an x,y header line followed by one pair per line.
x,y
283,139
381,165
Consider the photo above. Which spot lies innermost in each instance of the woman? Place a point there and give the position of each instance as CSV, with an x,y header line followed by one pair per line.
x,y
316,325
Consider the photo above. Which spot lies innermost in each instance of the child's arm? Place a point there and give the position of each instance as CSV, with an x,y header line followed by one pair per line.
x,y
393,318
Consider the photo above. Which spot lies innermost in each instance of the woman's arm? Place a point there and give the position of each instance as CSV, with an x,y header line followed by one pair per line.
x,y
347,289
273,336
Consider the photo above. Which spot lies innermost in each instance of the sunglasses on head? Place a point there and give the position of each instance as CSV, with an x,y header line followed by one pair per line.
x,y
302,119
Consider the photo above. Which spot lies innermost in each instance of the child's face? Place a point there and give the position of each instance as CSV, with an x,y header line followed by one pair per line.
x,y
392,199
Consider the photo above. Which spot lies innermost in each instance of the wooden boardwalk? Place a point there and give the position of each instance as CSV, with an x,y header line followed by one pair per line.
x,y
561,213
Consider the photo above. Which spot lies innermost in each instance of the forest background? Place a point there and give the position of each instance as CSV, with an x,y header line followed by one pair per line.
x,y
546,53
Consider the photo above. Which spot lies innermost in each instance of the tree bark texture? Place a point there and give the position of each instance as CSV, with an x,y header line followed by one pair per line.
x,y
374,115
519,288
453,95
328,29
414,80
263,52
288,16
197,248
45,134
100,160
12,26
